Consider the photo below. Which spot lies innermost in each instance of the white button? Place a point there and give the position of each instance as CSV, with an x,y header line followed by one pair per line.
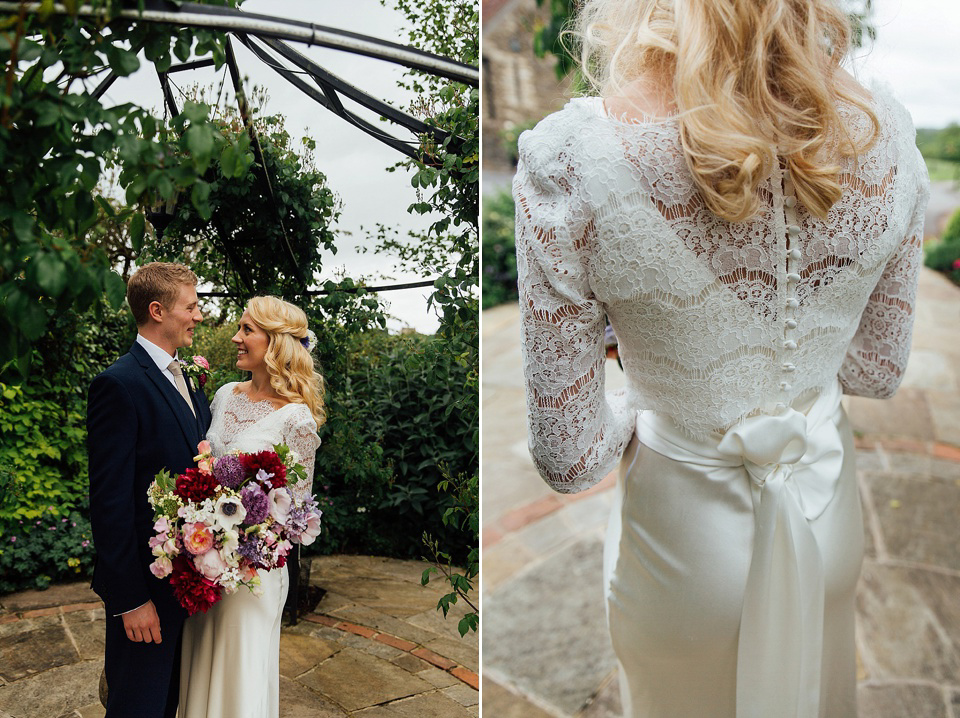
x,y
791,202
791,324
793,229
789,367
790,344
793,277
792,303
794,254
785,386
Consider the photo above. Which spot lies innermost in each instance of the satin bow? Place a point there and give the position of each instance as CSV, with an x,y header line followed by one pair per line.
x,y
794,461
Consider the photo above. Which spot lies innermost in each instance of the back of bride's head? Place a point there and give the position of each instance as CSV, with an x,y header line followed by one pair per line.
x,y
751,80
289,360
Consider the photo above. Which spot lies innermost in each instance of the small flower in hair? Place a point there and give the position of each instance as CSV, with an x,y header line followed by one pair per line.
x,y
309,342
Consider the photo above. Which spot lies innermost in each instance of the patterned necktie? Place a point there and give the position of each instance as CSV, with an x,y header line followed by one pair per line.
x,y
181,383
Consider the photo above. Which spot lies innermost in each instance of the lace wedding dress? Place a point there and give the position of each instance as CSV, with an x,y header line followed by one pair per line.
x,y
230,658
735,544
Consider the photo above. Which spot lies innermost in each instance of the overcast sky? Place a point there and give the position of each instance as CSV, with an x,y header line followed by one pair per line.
x,y
354,163
917,54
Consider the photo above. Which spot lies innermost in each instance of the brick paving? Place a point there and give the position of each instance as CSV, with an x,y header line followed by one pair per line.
x,y
546,652
374,647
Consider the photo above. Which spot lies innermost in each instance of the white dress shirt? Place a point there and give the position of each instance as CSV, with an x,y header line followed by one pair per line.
x,y
160,357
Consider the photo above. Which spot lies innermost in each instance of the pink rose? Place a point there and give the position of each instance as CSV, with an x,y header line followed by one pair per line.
x,y
210,564
201,361
197,538
280,502
162,567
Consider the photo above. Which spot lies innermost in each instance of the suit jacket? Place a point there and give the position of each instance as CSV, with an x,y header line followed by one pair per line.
x,y
137,425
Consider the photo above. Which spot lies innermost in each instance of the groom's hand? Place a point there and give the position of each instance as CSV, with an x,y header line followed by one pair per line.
x,y
142,624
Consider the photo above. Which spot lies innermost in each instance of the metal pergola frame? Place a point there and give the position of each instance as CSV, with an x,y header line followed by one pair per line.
x,y
266,37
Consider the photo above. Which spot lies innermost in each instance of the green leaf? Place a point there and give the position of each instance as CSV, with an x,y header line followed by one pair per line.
x,y
123,62
26,314
50,273
199,142
228,161
137,229
115,289
106,206
47,114
23,226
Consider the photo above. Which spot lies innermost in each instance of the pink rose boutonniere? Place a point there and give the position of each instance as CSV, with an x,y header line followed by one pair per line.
x,y
197,368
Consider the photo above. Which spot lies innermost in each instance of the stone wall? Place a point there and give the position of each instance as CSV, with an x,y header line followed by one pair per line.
x,y
518,87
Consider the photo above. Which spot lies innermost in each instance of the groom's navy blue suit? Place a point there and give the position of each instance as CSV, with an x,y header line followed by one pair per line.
x,y
137,425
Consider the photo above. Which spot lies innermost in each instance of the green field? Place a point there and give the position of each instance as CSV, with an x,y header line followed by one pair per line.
x,y
942,170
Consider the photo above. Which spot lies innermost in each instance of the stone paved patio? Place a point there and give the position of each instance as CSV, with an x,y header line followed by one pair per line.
x,y
374,647
538,545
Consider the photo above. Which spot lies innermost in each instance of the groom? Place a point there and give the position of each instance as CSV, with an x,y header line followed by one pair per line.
x,y
142,416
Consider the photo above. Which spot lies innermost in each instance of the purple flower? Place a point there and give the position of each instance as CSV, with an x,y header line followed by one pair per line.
x,y
228,471
252,549
256,503
13,539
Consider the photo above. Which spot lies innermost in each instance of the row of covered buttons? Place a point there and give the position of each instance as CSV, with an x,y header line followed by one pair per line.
x,y
793,277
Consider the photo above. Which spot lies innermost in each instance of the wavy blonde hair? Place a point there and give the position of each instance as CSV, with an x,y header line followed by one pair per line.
x,y
752,79
293,374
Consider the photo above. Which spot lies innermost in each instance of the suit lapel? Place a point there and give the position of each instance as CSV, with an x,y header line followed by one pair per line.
x,y
185,418
200,404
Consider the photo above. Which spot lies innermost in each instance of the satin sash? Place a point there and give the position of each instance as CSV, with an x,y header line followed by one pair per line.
x,y
794,462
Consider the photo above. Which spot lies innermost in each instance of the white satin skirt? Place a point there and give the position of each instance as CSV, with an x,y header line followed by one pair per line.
x,y
230,660
731,567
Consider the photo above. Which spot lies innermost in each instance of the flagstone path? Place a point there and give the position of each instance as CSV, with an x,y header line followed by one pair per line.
x,y
374,647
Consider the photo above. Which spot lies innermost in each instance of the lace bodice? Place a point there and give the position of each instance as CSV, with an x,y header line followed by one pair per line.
x,y
239,424
716,320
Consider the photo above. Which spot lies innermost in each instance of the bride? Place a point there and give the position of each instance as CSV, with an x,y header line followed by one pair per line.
x,y
750,219
230,655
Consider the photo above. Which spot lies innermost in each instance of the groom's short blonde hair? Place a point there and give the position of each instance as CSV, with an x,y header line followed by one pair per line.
x,y
156,282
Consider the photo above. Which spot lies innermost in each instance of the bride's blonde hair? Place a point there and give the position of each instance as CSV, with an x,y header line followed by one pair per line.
x,y
752,79
290,364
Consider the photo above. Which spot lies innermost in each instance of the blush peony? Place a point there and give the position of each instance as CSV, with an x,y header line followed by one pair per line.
x,y
197,538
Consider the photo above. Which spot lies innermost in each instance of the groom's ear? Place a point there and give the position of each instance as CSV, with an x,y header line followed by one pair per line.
x,y
155,311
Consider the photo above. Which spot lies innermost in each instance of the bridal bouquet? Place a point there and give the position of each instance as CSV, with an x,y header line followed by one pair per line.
x,y
218,523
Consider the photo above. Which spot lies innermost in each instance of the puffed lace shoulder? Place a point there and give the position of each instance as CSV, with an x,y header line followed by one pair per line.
x,y
716,320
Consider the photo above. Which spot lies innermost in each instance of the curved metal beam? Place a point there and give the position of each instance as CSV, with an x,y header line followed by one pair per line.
x,y
231,20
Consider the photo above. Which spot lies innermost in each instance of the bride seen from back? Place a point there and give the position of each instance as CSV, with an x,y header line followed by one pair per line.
x,y
749,219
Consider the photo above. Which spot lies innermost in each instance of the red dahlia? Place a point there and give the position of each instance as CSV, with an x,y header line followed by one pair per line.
x,y
269,462
193,591
195,485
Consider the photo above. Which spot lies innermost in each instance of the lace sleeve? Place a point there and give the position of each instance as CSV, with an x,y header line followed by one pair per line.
x,y
576,433
300,434
877,356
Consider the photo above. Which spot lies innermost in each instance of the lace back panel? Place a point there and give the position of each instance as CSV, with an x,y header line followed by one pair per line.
x,y
716,320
